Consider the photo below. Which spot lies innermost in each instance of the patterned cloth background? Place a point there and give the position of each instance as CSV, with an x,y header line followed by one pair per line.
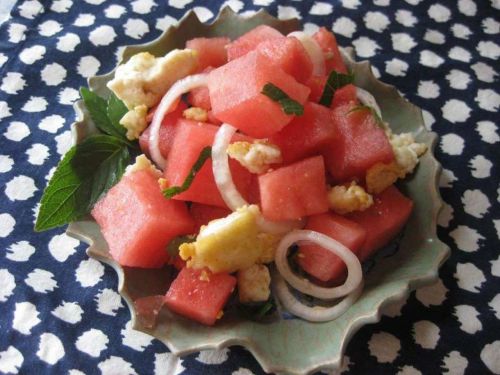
x,y
59,310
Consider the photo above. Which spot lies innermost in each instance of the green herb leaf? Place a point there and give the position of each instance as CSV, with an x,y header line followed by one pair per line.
x,y
83,176
115,111
174,190
378,119
173,246
257,311
289,106
334,82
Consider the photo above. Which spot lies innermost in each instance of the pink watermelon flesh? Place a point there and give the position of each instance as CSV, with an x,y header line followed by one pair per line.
x,y
249,41
200,97
235,94
147,309
294,191
138,222
203,213
190,139
360,143
193,297
211,51
383,220
328,44
321,263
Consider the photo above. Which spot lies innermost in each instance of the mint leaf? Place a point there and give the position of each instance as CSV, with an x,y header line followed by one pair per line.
x,y
378,119
115,111
289,106
174,190
83,176
334,82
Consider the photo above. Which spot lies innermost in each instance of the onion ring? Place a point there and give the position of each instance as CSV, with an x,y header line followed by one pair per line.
x,y
313,50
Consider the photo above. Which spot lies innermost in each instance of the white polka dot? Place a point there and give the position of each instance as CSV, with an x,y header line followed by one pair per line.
x,y
69,312
469,277
235,5
476,203
88,66
494,304
6,163
7,224
7,282
49,28
488,131
17,131
92,342
165,22
135,339
204,14
167,360
41,281
382,3
11,360
351,4
430,59
50,349
321,9
25,317
480,166
454,363
406,18
84,19
491,26
467,317
426,334
376,21
488,100
445,216
286,12
3,59
393,309
4,110
213,357
35,104
68,42
136,28
62,246
344,26
459,54
143,6
116,365
20,188
64,141
53,74
365,47
402,42
29,9
108,302
89,272
447,178
17,32
439,13
20,251
12,83
484,72
180,4
310,28
102,36
429,119
32,54
68,96
114,11
489,49
408,370
75,372
467,239
396,67
458,80
490,357
61,6
467,7
456,111
95,2
414,2
428,89
37,154
461,31
495,264
384,346
52,123
434,36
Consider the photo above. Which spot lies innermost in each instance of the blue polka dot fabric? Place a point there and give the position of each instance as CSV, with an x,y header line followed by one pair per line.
x,y
60,312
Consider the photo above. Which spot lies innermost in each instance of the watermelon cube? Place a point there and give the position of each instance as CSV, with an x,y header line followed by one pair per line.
x,y
294,191
321,263
328,43
138,222
190,139
211,51
200,97
306,135
383,220
360,143
235,94
341,96
203,214
199,295
249,41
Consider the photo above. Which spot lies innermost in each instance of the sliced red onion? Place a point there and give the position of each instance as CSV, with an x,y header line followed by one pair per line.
x,y
313,50
368,99
354,271
178,89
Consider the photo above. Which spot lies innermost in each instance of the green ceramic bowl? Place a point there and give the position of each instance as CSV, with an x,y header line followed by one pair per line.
x,y
290,346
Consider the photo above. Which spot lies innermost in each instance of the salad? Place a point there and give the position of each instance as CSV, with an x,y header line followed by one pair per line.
x,y
261,173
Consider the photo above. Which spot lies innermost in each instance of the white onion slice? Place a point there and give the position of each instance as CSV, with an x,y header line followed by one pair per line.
x,y
278,227
313,50
316,313
178,89
368,99
354,271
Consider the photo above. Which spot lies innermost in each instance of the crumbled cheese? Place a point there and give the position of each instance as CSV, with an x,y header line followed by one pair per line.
x,y
163,183
231,243
253,284
195,114
257,157
135,121
144,78
204,276
382,175
344,199
142,163
220,314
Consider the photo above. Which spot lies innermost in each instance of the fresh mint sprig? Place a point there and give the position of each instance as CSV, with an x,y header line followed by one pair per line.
x,y
334,82
289,106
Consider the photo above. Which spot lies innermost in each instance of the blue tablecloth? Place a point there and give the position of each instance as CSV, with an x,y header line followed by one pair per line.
x,y
59,310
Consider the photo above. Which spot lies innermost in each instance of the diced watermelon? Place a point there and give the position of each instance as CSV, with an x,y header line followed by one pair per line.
x,y
167,131
345,95
306,135
235,94
197,298
321,263
360,143
200,97
138,222
289,55
383,220
212,119
328,44
203,214
249,41
190,139
211,51
294,191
